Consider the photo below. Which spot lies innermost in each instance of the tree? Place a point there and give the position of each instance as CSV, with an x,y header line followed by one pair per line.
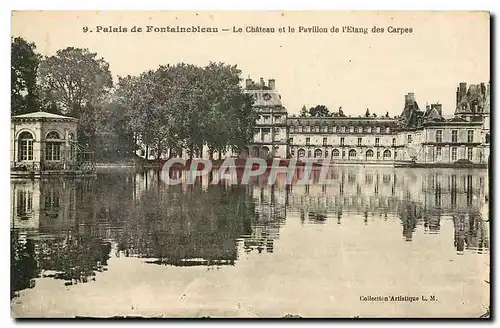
x,y
319,111
367,114
24,67
185,106
77,82
304,112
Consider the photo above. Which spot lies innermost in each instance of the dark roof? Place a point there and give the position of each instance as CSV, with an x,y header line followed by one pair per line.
x,y
344,121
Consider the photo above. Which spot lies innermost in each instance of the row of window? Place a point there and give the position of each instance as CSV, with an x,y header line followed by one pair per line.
x,y
52,149
342,141
454,135
318,153
454,152
350,129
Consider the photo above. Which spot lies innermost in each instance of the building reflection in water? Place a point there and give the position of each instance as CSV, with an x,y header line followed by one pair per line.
x,y
70,227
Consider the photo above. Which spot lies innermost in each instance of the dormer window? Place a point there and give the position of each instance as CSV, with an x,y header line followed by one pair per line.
x,y
266,96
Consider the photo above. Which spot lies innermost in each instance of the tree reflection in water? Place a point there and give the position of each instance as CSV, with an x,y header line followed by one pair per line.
x,y
189,226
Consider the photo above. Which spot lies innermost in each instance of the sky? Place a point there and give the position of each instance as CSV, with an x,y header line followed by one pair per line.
x,y
353,70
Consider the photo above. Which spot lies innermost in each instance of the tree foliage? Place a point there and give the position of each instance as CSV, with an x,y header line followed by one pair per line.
x,y
23,68
185,107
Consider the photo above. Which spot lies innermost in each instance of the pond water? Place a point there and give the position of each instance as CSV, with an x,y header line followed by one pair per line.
x,y
125,244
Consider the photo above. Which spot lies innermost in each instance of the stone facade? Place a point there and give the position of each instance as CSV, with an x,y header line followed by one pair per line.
x,y
43,141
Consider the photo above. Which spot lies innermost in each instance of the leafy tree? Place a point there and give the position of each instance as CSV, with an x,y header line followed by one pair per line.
x,y
77,82
319,111
23,68
304,112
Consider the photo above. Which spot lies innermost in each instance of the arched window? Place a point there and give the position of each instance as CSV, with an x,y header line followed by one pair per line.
x,y
53,135
335,153
318,153
53,148
369,153
301,152
25,150
387,154
352,153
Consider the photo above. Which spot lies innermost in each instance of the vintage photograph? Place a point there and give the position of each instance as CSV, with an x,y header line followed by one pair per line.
x,y
250,164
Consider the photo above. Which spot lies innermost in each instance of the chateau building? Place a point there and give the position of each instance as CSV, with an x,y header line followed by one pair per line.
x,y
418,136
415,137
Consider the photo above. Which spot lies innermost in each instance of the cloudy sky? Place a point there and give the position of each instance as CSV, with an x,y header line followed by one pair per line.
x,y
355,71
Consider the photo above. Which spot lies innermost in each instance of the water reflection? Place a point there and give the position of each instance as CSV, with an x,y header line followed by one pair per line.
x,y
68,228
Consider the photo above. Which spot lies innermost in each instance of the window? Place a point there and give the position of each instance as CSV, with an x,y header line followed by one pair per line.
x,y
318,153
360,129
369,153
409,138
387,130
72,142
330,128
24,202
341,141
265,118
292,152
351,129
52,148
454,134
470,136
487,138
308,128
360,140
325,128
301,153
469,154
25,146
335,153
387,154
324,141
395,154
338,129
453,154
292,129
377,141
369,129
438,152
301,129
394,141
290,141
352,153
308,153
439,136
326,153
308,141
52,201
378,129
316,128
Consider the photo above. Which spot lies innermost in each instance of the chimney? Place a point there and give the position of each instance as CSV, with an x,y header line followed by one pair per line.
x,y
483,90
248,82
427,107
463,89
262,83
458,96
271,84
439,109
411,97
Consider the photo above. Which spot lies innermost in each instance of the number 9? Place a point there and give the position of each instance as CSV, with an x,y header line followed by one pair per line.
x,y
85,29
